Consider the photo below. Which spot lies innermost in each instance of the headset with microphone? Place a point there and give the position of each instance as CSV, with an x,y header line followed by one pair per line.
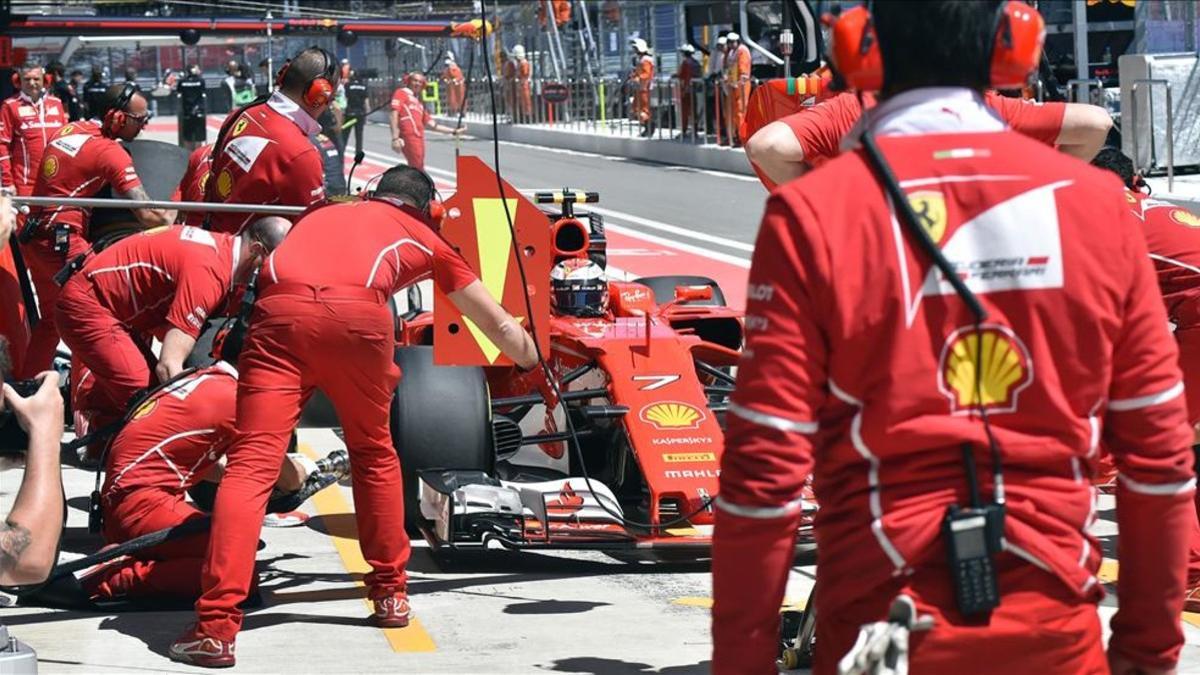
x,y
319,90
116,116
433,212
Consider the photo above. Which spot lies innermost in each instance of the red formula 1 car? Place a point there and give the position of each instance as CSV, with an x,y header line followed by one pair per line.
x,y
629,461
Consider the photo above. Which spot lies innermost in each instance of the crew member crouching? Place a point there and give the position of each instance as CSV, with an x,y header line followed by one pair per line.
x,y
164,284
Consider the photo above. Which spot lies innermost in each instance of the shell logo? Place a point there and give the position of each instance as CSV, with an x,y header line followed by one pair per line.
x,y
1003,364
204,181
225,184
670,415
930,207
50,166
144,409
1185,217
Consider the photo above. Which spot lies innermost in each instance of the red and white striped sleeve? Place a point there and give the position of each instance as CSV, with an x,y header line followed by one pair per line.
x,y
768,448
1146,428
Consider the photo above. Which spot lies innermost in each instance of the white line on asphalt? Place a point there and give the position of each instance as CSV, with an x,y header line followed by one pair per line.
x,y
645,222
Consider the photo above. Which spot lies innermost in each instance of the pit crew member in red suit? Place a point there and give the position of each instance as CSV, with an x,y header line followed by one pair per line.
x,y
860,367
163,284
323,292
786,148
80,160
409,119
172,442
263,155
1173,238
28,120
195,178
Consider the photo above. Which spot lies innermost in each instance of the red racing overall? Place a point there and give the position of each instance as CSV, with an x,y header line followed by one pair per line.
x,y
266,159
79,162
859,367
167,447
195,179
137,289
1173,237
322,320
413,120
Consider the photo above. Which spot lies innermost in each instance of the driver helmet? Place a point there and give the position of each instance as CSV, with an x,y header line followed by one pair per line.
x,y
579,287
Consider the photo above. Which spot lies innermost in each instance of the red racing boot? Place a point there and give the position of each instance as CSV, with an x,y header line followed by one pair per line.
x,y
202,650
392,611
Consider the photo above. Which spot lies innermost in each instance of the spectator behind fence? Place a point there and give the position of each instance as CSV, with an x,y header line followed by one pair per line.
x,y
30,532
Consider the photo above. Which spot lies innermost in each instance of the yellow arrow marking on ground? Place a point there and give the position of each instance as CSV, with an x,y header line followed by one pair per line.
x,y
495,245
1108,574
344,534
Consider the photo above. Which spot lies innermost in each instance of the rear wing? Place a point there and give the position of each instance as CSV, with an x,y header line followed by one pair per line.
x,y
477,227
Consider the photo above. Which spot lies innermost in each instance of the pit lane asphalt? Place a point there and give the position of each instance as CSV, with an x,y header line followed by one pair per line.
x,y
572,612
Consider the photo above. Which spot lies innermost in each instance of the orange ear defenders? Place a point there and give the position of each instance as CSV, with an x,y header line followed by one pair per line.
x,y
47,78
434,211
319,90
1019,32
115,117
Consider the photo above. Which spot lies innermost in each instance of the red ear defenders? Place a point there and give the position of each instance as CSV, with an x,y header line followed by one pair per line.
x,y
1020,32
319,90
47,79
115,117
434,211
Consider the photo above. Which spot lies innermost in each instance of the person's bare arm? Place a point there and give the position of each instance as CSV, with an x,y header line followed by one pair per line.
x,y
777,152
394,122
148,217
432,124
477,304
1084,129
29,535
175,348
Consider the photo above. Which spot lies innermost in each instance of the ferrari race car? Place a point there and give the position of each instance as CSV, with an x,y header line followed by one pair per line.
x,y
629,461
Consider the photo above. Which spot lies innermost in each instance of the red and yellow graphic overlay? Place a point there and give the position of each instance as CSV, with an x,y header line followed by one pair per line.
x,y
477,226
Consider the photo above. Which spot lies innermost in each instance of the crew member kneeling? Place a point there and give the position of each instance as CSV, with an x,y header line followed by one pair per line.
x,y
322,319
164,284
172,442
863,366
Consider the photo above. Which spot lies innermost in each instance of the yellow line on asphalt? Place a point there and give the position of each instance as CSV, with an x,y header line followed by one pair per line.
x,y
789,604
344,534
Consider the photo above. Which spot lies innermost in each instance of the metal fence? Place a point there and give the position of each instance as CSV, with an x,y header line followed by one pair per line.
x,y
696,113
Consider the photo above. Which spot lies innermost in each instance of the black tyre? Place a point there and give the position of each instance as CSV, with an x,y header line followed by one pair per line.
x,y
664,288
201,355
441,419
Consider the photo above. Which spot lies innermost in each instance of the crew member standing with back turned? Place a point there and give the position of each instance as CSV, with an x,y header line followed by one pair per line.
x,y
863,365
263,155
80,160
325,291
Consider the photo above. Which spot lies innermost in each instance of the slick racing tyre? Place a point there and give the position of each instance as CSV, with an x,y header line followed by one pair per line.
x,y
441,419
664,288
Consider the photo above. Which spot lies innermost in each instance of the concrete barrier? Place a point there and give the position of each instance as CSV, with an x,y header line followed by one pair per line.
x,y
651,150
